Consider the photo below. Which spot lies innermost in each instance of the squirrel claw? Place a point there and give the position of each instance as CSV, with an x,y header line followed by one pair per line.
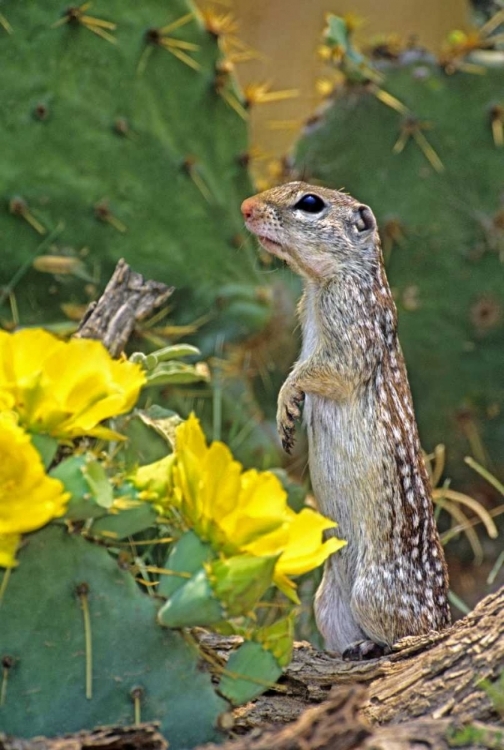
x,y
288,440
289,403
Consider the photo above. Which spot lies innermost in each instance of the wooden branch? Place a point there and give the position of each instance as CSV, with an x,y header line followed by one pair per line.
x,y
429,684
141,737
337,724
127,300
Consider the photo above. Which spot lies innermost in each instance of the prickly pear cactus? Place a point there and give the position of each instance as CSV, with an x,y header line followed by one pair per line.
x,y
103,659
424,148
105,560
118,140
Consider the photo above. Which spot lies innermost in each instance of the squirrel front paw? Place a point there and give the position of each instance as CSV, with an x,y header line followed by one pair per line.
x,y
290,399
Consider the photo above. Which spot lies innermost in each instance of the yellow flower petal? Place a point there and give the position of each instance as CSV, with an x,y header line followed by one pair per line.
x,y
255,486
244,511
259,509
190,437
187,475
207,479
305,549
155,478
25,351
286,586
8,548
64,389
220,482
28,497
6,401
272,543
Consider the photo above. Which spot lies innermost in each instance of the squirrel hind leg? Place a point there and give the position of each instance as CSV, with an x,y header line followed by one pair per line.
x,y
333,613
364,650
389,608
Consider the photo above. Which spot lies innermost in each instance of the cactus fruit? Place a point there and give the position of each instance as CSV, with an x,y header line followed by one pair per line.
x,y
431,166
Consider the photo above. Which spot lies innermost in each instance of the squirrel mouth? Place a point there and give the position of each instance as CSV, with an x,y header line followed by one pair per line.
x,y
272,246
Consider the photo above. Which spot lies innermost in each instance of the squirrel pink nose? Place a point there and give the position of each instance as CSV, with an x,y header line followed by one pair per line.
x,y
247,207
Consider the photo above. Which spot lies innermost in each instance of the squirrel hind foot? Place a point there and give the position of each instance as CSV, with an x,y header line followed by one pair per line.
x,y
365,650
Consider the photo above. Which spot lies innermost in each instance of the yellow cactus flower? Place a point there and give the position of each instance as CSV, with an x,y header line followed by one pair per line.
x,y
28,497
304,550
244,511
206,481
64,389
223,504
260,512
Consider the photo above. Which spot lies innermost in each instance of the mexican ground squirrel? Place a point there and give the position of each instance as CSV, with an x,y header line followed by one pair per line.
x,y
366,465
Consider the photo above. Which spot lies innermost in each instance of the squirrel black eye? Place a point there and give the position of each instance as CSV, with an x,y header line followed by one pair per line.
x,y
310,203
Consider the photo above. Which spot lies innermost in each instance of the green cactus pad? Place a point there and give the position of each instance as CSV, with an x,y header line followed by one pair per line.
x,y
114,147
43,634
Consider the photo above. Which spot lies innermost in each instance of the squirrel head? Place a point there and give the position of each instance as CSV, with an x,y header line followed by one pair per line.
x,y
320,233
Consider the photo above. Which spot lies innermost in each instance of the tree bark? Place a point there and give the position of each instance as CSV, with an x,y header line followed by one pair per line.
x,y
128,299
424,694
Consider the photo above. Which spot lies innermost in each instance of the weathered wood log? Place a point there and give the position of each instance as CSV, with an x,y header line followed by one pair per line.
x,y
334,724
141,737
429,685
337,724
128,299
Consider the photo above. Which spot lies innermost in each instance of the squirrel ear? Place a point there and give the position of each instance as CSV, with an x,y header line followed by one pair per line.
x,y
364,219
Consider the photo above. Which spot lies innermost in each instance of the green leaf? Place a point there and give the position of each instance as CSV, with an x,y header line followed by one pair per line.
x,y
250,306
125,522
43,631
250,292
156,412
495,691
46,446
240,581
139,358
193,604
175,351
82,504
250,671
99,483
176,373
186,556
278,638
142,446
163,425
